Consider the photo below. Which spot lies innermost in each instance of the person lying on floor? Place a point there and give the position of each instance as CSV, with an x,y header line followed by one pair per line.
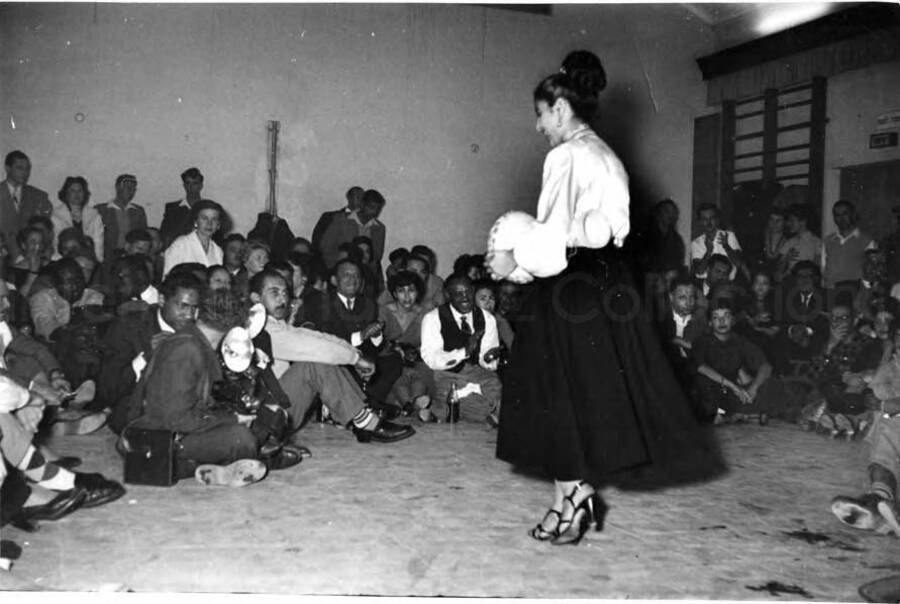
x,y
213,443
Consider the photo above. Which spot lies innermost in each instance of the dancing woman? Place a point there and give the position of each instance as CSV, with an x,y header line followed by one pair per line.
x,y
589,397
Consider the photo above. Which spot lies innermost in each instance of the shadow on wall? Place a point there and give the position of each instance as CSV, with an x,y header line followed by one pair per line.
x,y
618,111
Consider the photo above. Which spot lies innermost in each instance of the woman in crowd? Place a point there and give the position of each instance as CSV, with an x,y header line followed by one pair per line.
x,y
73,211
588,393
198,245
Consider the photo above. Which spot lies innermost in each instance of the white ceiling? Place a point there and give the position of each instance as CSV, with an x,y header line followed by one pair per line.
x,y
735,23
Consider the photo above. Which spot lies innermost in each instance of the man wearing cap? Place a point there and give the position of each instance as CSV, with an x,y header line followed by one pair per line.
x,y
177,220
121,215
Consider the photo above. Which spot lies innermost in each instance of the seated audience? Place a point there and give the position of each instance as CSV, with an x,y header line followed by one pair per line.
x,y
46,227
461,345
308,363
486,300
26,267
757,321
734,379
838,373
130,339
434,285
347,314
73,211
198,245
233,253
680,327
133,291
718,284
402,320
396,260
56,490
215,444
803,318
256,255
218,277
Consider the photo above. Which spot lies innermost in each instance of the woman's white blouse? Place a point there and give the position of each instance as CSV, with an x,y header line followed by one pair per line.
x,y
188,248
583,203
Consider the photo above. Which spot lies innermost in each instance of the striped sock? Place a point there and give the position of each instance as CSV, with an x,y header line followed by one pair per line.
x,y
45,473
882,490
365,419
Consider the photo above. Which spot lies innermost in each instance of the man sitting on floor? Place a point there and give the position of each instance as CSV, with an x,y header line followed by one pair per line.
x,y
307,364
213,443
461,345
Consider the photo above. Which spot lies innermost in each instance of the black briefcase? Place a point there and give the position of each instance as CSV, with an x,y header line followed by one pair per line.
x,y
149,456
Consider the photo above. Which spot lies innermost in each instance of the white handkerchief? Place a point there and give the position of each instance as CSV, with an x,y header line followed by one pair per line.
x,y
470,388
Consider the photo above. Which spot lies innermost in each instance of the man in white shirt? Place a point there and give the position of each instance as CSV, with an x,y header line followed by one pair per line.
x,y
714,241
308,363
461,345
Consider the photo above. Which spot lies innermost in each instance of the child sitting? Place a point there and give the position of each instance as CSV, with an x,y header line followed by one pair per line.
x,y
734,379
402,320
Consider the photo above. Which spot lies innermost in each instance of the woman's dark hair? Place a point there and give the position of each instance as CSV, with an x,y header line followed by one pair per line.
x,y
71,180
211,270
40,220
579,81
181,279
403,279
206,204
23,235
398,254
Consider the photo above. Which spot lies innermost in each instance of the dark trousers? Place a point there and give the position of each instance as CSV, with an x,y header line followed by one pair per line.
x,y
388,369
221,444
711,397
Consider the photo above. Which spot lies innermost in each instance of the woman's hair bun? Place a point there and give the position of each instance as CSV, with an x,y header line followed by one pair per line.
x,y
585,71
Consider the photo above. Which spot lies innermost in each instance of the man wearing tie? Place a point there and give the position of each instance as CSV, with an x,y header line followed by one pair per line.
x,y
18,200
804,317
461,344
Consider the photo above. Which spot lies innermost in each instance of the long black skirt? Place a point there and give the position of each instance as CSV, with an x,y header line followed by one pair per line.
x,y
589,393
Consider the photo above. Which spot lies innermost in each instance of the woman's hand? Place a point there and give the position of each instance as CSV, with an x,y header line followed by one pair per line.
x,y
500,263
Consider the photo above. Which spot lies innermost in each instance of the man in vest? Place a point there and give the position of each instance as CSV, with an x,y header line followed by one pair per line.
x,y
461,344
843,251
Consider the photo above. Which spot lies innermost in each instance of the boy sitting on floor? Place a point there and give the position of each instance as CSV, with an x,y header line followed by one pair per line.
x,y
733,379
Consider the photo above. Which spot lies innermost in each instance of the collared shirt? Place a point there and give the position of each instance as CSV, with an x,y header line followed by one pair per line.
x,y
808,246
162,323
698,249
150,295
432,349
680,323
15,191
356,337
856,263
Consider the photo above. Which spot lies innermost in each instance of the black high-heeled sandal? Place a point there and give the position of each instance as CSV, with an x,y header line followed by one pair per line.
x,y
542,534
585,515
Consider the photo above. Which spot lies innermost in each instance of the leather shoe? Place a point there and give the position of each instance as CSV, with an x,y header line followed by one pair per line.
x,y
68,462
287,457
98,490
384,432
63,504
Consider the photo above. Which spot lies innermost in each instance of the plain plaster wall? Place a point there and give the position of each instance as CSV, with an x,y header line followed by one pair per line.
x,y
430,104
